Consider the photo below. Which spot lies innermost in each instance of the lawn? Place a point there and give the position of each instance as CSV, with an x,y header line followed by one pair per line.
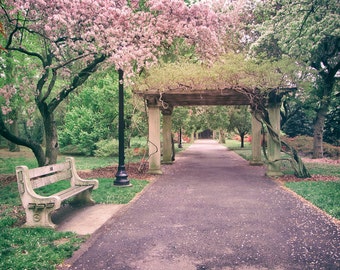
x,y
40,248
323,194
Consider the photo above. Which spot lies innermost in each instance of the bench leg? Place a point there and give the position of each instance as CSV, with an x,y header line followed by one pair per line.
x,y
39,218
83,198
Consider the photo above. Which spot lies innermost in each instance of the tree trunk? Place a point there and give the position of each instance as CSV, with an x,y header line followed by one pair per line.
x,y
318,134
325,86
52,145
222,136
242,134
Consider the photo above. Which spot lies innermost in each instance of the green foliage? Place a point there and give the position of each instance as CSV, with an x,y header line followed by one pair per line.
x,y
217,117
325,195
230,71
107,148
301,29
90,115
332,123
81,129
240,120
308,32
298,124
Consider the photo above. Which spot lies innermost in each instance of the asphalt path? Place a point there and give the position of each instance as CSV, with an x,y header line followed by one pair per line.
x,y
212,210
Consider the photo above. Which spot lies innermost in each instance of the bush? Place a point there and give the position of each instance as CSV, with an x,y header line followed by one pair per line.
x,y
304,145
107,148
82,129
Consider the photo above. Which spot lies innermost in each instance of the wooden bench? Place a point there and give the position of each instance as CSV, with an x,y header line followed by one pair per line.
x,y
39,208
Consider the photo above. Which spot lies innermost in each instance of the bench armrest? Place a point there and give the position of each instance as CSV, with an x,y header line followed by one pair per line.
x,y
27,193
76,180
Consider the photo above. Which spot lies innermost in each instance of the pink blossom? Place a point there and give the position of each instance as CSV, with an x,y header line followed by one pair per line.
x,y
5,110
122,31
30,123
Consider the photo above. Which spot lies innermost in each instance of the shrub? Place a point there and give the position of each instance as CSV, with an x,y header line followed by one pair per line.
x,y
304,145
107,148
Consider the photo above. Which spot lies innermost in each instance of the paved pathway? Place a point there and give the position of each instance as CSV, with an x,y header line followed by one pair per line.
x,y
211,210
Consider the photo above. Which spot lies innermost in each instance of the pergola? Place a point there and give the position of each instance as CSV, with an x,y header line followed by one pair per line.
x,y
164,102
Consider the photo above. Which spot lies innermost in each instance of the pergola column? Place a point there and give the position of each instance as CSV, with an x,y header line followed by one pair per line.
x,y
167,143
256,127
154,140
274,146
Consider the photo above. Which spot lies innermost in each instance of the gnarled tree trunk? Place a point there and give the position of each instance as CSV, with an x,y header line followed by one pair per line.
x,y
35,147
50,128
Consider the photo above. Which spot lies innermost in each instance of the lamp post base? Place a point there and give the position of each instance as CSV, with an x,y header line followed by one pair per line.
x,y
122,178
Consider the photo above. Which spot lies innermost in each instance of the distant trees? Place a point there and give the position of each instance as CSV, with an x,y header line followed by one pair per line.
x,y
308,32
240,121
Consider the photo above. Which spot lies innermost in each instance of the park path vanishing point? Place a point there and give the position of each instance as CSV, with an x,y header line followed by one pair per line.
x,y
211,210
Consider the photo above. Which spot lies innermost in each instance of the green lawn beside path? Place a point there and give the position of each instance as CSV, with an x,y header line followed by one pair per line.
x,y
41,248
323,194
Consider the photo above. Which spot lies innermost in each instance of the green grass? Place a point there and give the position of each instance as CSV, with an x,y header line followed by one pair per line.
x,y
235,146
29,248
106,193
40,248
314,168
325,195
7,165
323,169
89,163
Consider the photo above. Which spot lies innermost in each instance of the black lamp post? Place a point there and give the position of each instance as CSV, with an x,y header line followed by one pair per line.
x,y
121,175
180,138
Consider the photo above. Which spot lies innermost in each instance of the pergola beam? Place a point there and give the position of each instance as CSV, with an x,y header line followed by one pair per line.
x,y
158,100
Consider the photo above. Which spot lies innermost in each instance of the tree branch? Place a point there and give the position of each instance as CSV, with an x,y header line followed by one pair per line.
x,y
78,80
35,147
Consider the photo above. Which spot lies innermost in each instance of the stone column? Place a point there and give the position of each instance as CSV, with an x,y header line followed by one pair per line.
x,y
256,127
167,143
154,140
274,147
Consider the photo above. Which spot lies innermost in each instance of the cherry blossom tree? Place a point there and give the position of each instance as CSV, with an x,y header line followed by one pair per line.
x,y
68,40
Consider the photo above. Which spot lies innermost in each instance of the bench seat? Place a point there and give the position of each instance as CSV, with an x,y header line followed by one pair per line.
x,y
38,208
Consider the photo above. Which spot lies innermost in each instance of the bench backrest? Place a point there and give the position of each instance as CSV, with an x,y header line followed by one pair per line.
x,y
46,175
43,176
